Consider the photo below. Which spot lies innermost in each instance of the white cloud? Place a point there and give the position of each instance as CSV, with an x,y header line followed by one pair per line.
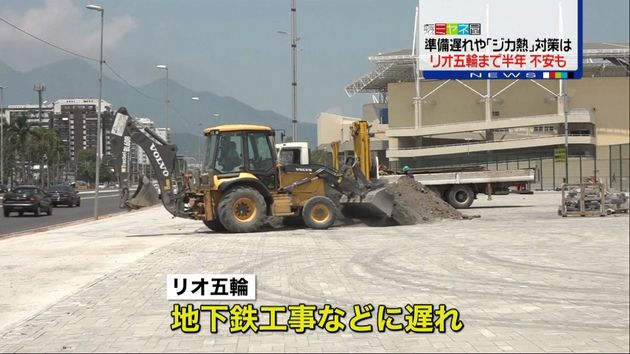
x,y
63,23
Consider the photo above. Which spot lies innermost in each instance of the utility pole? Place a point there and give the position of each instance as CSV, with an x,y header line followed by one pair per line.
x,y
165,68
294,67
99,143
2,120
39,88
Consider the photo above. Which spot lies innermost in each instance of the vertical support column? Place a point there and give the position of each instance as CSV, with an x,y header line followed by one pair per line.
x,y
541,173
417,106
595,165
416,67
610,180
488,111
562,110
393,161
488,102
620,168
581,178
553,173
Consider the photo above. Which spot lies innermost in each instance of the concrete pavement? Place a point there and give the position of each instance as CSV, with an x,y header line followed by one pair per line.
x,y
522,278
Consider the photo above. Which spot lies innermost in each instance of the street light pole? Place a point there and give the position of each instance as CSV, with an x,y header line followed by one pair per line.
x,y
2,120
294,67
164,67
98,113
39,89
196,99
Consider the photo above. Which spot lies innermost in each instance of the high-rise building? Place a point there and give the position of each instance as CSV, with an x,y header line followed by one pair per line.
x,y
75,121
31,111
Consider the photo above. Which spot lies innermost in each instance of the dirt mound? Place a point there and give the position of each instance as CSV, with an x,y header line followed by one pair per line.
x,y
415,203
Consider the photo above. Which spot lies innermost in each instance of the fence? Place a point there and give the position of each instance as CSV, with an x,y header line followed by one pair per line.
x,y
610,165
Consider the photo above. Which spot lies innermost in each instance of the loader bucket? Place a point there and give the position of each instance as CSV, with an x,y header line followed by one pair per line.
x,y
145,195
377,203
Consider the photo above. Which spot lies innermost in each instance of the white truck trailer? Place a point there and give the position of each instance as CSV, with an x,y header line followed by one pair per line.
x,y
458,186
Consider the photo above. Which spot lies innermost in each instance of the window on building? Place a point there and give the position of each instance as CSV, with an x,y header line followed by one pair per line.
x,y
496,113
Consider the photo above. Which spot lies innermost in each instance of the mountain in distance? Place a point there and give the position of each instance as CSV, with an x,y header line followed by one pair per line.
x,y
75,78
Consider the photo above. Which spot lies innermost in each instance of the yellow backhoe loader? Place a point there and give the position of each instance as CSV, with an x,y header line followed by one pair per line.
x,y
242,182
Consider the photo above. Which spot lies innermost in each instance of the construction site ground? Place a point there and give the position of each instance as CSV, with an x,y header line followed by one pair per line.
x,y
523,279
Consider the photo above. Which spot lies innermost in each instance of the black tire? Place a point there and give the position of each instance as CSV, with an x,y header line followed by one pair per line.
x,y
215,225
38,210
6,213
319,213
20,213
460,196
79,202
54,204
242,209
49,210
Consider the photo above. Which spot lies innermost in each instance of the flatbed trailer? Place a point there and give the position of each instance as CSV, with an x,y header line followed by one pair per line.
x,y
460,188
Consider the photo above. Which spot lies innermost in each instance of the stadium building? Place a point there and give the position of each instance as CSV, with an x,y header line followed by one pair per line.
x,y
506,124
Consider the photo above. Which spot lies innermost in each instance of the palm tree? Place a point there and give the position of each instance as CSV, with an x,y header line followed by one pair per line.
x,y
34,145
19,136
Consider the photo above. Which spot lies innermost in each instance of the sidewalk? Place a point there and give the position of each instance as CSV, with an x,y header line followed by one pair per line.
x,y
43,268
522,278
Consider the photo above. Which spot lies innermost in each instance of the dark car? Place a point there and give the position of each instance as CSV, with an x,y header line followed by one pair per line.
x,y
30,199
3,188
64,195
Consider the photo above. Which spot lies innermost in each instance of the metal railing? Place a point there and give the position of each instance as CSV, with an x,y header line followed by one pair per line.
x,y
507,120
545,136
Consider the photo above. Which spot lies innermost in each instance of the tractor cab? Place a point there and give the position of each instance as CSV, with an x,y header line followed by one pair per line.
x,y
233,150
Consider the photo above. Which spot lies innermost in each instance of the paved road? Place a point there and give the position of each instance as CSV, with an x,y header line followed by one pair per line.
x,y
108,204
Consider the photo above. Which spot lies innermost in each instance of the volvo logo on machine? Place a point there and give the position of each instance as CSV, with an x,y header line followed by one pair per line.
x,y
158,159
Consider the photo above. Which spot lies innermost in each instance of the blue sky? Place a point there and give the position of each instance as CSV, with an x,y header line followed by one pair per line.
x,y
232,48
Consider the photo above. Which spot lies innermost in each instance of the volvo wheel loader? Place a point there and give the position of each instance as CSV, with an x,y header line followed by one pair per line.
x,y
241,181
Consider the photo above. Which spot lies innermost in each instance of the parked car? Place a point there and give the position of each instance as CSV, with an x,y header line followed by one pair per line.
x,y
3,188
29,199
64,195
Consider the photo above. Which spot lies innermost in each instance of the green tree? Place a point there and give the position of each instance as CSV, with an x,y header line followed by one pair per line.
x,y
20,137
86,166
47,150
8,154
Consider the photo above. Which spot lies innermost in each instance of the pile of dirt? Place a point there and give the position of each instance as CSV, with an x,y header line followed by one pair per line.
x,y
415,203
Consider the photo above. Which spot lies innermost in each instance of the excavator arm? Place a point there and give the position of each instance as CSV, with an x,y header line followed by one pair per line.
x,y
162,157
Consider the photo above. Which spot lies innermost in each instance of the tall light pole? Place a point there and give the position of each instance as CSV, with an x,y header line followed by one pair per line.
x,y
294,40
2,120
164,67
196,99
294,67
39,88
98,113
